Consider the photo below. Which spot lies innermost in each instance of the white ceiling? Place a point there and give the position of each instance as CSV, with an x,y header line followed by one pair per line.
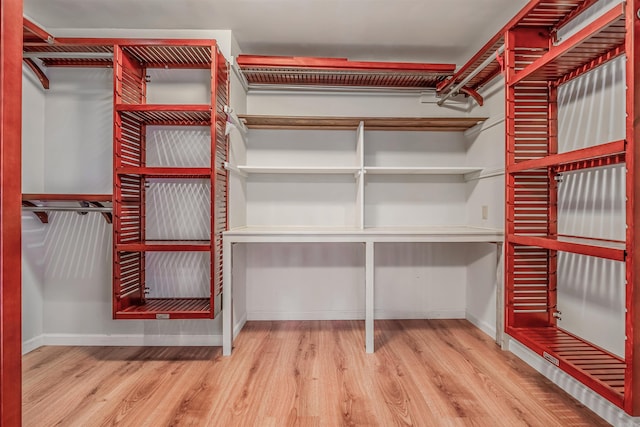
x,y
400,30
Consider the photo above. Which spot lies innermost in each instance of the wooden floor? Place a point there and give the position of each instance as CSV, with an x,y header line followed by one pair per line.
x,y
313,373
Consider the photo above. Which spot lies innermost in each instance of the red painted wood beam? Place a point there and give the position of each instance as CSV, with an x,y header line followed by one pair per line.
x,y
11,33
69,197
632,316
473,94
44,80
598,151
39,32
576,248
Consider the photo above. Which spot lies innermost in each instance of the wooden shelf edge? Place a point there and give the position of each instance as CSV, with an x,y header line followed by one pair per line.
x,y
443,124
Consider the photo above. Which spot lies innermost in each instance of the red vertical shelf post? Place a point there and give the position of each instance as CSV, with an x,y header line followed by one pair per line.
x,y
552,210
527,296
632,353
10,212
128,195
219,176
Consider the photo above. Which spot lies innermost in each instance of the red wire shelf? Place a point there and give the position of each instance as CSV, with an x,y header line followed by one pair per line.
x,y
282,70
168,308
167,114
537,14
612,250
172,53
165,246
161,172
605,34
589,364
596,156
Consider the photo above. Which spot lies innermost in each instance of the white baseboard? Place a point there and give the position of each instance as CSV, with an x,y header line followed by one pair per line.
x,y
239,325
305,315
433,314
592,400
132,340
214,340
354,315
485,327
34,343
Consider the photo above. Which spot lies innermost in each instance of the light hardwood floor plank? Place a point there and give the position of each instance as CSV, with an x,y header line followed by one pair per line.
x,y
300,373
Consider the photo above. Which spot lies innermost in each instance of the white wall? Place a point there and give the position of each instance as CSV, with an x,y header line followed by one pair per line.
x,y
412,280
486,208
591,203
33,230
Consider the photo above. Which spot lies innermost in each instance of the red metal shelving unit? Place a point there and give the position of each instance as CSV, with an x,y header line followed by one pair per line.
x,y
535,65
132,115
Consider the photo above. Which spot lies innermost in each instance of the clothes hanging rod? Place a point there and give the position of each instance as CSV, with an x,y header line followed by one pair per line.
x,y
66,208
457,87
390,90
68,55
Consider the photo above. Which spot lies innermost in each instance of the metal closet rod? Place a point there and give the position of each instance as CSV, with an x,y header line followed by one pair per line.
x,y
456,88
68,55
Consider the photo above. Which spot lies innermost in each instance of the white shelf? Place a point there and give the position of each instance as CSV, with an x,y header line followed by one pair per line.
x,y
335,170
461,233
438,170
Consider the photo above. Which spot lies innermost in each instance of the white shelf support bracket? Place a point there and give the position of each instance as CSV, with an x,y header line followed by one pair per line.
x,y
234,169
235,120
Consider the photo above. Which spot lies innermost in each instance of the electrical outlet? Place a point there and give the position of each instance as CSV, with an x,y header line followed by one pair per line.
x,y
485,212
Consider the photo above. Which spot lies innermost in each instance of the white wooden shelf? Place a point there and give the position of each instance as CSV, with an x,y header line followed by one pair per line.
x,y
335,170
437,170
458,233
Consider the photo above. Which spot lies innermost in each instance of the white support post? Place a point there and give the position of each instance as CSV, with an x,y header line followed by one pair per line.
x,y
227,298
369,297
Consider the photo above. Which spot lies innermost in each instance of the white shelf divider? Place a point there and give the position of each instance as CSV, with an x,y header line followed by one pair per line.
x,y
360,176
